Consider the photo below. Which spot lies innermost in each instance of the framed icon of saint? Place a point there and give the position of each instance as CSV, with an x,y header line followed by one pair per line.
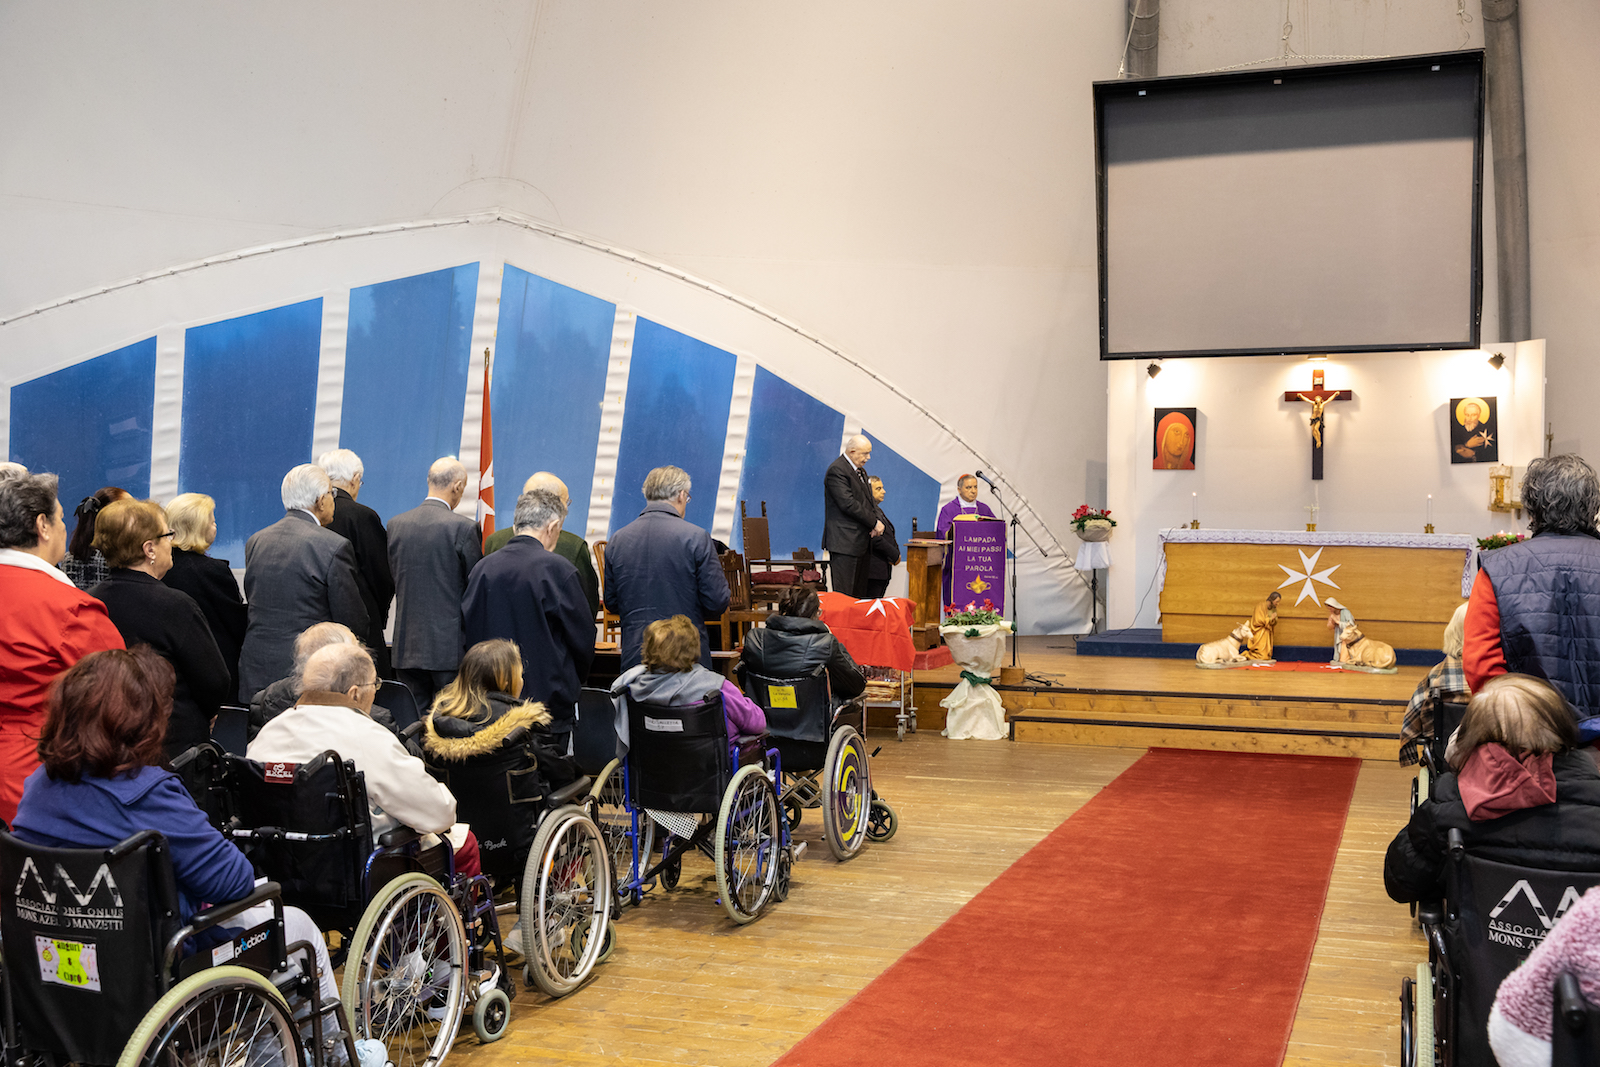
x,y
1174,443
1474,430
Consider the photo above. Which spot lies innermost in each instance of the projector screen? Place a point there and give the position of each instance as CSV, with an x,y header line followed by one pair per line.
x,y
1299,210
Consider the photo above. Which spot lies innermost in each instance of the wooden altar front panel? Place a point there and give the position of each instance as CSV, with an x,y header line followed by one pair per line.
x,y
1403,596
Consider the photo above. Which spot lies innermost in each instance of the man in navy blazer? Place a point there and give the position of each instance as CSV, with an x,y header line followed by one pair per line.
x,y
432,550
529,594
296,574
660,565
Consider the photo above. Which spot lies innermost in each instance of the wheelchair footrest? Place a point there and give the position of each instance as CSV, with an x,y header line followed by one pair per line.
x,y
797,850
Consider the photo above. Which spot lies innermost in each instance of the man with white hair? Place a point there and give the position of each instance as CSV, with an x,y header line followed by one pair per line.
x,y
850,519
569,546
339,682
432,550
362,527
296,574
661,565
528,594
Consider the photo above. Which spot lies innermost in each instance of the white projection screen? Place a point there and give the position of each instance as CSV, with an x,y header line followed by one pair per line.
x,y
1301,210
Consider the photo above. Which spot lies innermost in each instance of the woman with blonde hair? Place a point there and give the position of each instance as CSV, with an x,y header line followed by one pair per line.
x,y
1446,684
209,582
1518,790
499,782
137,544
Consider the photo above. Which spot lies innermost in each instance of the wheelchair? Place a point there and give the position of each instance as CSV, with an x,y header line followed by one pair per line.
x,y
402,914
684,777
825,759
96,971
561,870
1493,915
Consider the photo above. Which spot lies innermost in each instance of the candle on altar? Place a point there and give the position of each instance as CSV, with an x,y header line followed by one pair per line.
x,y
1194,506
1430,509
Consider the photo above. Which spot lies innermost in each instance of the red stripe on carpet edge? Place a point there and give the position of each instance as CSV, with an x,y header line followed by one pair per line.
x,y
1172,917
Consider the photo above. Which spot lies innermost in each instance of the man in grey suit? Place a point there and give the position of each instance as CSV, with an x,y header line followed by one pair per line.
x,y
296,574
432,550
661,565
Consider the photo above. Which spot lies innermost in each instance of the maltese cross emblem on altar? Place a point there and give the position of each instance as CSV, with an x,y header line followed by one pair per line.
x,y
1308,574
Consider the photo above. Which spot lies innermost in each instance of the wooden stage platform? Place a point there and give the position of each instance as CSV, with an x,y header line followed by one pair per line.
x,y
1133,702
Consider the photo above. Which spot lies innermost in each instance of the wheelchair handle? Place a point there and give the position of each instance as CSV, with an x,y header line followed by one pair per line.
x,y
134,843
1570,1003
275,833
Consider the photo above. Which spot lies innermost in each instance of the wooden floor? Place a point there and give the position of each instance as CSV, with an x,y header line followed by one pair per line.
x,y
687,987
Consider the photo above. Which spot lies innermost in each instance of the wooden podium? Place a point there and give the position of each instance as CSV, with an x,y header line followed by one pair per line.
x,y
925,554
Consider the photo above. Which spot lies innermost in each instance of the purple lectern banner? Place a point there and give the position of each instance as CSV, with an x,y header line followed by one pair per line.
x,y
978,563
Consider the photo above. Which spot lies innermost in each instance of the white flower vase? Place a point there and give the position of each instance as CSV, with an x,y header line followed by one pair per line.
x,y
1096,530
973,708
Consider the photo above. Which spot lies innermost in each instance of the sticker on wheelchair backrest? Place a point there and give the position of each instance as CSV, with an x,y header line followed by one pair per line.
x,y
663,726
279,773
781,696
68,963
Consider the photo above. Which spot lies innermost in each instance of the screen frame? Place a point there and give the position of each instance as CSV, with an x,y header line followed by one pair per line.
x,y
1123,88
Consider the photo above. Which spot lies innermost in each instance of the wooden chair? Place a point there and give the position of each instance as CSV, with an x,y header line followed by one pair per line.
x,y
741,614
610,621
769,578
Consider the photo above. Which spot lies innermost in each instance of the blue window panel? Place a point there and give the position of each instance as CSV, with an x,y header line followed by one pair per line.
x,y
552,350
791,440
89,423
405,381
908,491
679,392
249,398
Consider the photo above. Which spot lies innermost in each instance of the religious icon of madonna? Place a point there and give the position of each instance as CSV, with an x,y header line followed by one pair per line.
x,y
1474,430
1175,439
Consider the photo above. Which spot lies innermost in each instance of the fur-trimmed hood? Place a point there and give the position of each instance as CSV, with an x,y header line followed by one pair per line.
x,y
446,737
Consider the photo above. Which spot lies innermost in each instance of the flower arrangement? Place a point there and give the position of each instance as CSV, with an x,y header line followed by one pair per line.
x,y
1085,515
1500,540
972,616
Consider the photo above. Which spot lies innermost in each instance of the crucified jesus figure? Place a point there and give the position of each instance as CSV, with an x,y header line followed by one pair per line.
x,y
1317,404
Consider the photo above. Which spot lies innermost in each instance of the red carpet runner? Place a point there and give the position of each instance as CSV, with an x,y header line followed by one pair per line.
x,y
1171,920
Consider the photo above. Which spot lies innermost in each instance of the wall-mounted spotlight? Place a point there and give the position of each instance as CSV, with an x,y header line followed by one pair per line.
x,y
1317,359
1153,369
1497,361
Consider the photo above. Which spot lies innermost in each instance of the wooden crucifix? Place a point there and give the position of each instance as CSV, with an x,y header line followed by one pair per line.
x,y
1318,398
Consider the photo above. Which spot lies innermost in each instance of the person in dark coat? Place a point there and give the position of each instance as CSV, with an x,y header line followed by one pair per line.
x,y
432,550
883,551
209,582
795,643
362,527
569,546
660,565
1535,605
498,783
849,519
527,594
1519,792
133,536
295,574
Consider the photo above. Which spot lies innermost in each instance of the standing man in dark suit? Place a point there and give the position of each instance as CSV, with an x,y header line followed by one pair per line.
x,y
569,546
660,565
850,520
528,593
432,550
884,551
363,528
296,574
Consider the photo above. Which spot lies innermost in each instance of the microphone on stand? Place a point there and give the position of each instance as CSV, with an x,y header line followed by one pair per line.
x,y
986,480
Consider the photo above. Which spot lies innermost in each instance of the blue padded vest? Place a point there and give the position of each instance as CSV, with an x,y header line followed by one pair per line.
x,y
1548,589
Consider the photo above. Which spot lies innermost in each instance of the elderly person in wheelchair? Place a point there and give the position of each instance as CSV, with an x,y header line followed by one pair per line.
x,y
671,674
796,643
1510,838
807,685
101,786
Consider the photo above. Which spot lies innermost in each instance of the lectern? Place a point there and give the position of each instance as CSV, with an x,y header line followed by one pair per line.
x,y
925,553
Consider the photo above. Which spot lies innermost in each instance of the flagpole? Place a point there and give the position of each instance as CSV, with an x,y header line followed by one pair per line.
x,y
486,457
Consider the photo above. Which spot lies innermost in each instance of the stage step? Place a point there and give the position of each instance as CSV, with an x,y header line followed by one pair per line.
x,y
1300,725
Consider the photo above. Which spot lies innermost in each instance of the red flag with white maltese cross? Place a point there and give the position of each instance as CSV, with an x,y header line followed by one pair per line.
x,y
486,460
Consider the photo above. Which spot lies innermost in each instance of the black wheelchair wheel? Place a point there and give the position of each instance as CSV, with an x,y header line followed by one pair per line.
x,y
847,788
223,1015
749,844
882,823
672,872
794,810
